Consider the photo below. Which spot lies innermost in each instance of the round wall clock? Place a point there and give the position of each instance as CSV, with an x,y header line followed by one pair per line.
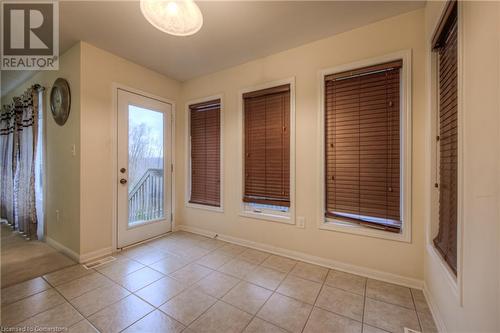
x,y
60,101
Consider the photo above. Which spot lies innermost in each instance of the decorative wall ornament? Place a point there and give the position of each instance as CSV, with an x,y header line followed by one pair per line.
x,y
60,101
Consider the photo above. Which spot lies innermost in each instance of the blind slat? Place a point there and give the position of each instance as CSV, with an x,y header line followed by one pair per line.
x,y
267,146
446,239
205,153
362,143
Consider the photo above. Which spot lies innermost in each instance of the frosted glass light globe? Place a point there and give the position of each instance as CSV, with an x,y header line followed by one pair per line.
x,y
175,17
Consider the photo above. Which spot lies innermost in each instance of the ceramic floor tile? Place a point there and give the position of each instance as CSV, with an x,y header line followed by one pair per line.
x,y
390,293
247,297
120,315
161,291
120,268
237,268
190,252
188,305
281,264
155,322
392,318
191,273
427,322
258,325
63,316
310,272
140,279
83,326
420,301
138,251
97,299
164,244
67,274
341,302
24,289
214,260
285,312
371,329
232,249
211,244
30,306
253,256
303,290
169,264
220,318
349,282
83,285
216,284
151,257
324,321
265,277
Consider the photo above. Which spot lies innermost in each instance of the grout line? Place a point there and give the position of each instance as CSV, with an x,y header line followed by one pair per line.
x,y
192,260
23,298
314,304
364,307
416,312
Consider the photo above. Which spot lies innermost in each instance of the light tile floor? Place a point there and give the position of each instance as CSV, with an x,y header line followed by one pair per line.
x,y
188,283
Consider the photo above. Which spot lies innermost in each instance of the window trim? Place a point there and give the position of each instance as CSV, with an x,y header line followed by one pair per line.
x,y
290,219
454,282
187,196
406,151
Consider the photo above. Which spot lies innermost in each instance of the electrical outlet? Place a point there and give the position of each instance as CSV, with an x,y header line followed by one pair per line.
x,y
301,222
57,215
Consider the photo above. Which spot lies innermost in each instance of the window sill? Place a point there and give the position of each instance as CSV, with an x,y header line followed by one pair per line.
x,y
205,207
356,229
268,217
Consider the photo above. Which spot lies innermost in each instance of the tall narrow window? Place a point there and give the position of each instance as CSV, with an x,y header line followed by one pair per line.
x,y
362,146
267,147
205,153
445,44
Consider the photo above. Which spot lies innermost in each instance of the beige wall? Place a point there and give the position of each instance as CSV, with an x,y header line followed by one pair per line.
x,y
100,70
63,169
81,187
303,63
473,306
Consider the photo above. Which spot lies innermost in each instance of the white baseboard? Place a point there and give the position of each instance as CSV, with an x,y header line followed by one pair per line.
x,y
79,258
341,266
62,248
86,257
438,320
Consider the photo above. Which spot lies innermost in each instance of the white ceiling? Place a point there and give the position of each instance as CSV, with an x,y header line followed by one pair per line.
x,y
233,32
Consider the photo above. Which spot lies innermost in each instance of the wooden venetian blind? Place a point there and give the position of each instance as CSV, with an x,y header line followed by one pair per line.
x,y
205,153
267,146
446,46
362,146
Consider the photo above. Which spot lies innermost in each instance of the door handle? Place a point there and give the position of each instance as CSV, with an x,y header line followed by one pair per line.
x,y
123,181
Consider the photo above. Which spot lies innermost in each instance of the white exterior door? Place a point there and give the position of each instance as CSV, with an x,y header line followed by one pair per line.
x,y
144,168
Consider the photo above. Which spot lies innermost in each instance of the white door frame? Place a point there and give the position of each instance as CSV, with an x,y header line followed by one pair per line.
x,y
114,151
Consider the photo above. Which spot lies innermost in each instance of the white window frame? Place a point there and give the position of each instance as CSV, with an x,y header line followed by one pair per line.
x,y
406,151
266,214
187,197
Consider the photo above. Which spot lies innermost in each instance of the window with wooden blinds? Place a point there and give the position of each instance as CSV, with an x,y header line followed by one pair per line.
x,y
205,153
267,146
446,48
362,146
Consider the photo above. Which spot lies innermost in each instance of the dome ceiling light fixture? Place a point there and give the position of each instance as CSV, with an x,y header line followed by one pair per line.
x,y
175,17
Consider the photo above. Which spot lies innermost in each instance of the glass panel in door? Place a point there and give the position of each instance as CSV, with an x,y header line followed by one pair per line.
x,y
145,165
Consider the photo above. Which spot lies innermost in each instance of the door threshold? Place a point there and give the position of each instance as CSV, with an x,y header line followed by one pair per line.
x,y
143,241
